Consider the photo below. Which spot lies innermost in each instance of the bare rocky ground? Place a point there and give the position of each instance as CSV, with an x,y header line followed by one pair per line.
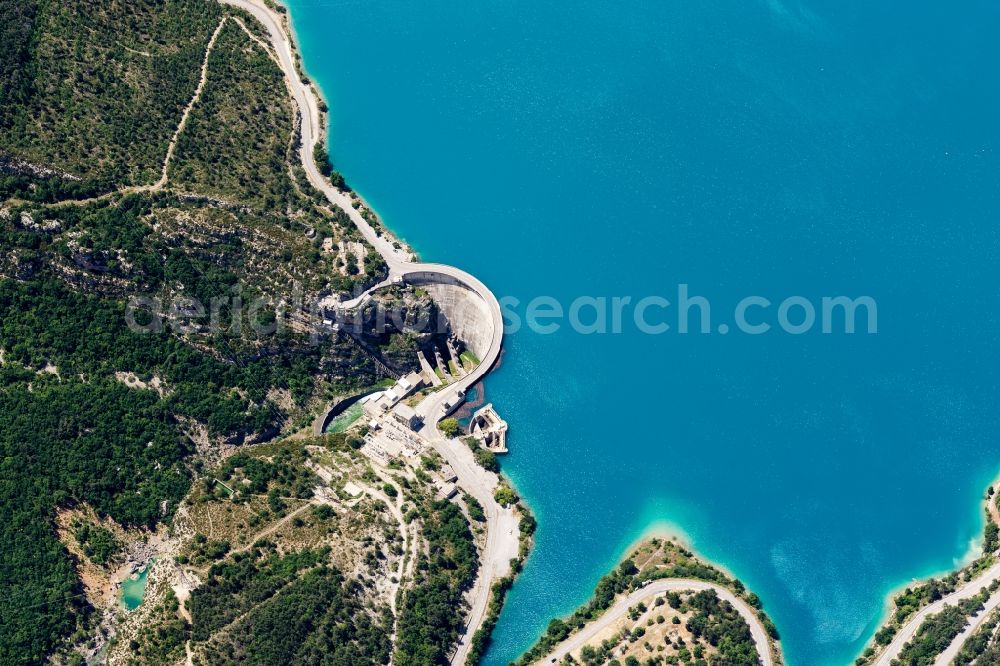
x,y
373,538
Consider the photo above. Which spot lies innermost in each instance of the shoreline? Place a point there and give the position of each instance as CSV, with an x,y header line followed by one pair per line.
x,y
666,529
889,604
975,552
657,527
502,545
586,622
285,13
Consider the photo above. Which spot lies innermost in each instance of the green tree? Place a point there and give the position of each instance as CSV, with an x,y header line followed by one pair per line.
x,y
487,460
505,495
449,427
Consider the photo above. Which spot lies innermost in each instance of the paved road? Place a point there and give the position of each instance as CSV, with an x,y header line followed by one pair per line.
x,y
616,612
948,656
399,262
501,535
308,105
502,523
908,630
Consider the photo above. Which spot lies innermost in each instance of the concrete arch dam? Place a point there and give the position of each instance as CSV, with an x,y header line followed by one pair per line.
x,y
471,309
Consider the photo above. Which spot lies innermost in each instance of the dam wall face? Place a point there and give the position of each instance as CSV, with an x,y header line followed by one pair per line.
x,y
467,311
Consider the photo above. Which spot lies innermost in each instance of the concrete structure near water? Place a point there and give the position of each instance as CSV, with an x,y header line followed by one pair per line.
x,y
489,429
402,389
469,314
471,308
453,402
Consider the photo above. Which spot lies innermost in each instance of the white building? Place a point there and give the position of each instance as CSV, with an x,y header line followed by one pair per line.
x,y
407,416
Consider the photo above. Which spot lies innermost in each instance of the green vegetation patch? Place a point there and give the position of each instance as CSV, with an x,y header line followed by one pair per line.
x,y
657,558
982,645
721,625
97,543
237,138
264,608
939,630
164,642
17,23
483,456
85,437
711,620
449,427
243,582
97,87
283,473
61,444
43,321
430,618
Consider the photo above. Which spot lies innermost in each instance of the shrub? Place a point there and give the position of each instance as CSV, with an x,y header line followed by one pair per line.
x,y
449,427
504,495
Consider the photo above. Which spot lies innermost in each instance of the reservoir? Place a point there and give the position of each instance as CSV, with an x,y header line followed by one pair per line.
x,y
769,149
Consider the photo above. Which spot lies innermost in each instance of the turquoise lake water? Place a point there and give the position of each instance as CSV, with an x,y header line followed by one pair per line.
x,y
134,589
751,147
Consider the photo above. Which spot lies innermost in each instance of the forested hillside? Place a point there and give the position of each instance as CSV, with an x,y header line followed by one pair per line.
x,y
99,87
95,210
294,569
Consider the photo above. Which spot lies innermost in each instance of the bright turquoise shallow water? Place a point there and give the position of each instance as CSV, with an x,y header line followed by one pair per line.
x,y
744,147
134,589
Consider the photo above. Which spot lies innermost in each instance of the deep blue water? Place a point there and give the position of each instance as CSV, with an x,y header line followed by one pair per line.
x,y
744,147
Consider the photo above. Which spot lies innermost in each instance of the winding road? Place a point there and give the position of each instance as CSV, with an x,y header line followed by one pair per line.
x,y
398,260
658,587
948,656
502,523
909,630
501,535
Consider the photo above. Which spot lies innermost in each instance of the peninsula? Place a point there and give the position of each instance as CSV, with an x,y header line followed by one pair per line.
x,y
192,484
663,604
